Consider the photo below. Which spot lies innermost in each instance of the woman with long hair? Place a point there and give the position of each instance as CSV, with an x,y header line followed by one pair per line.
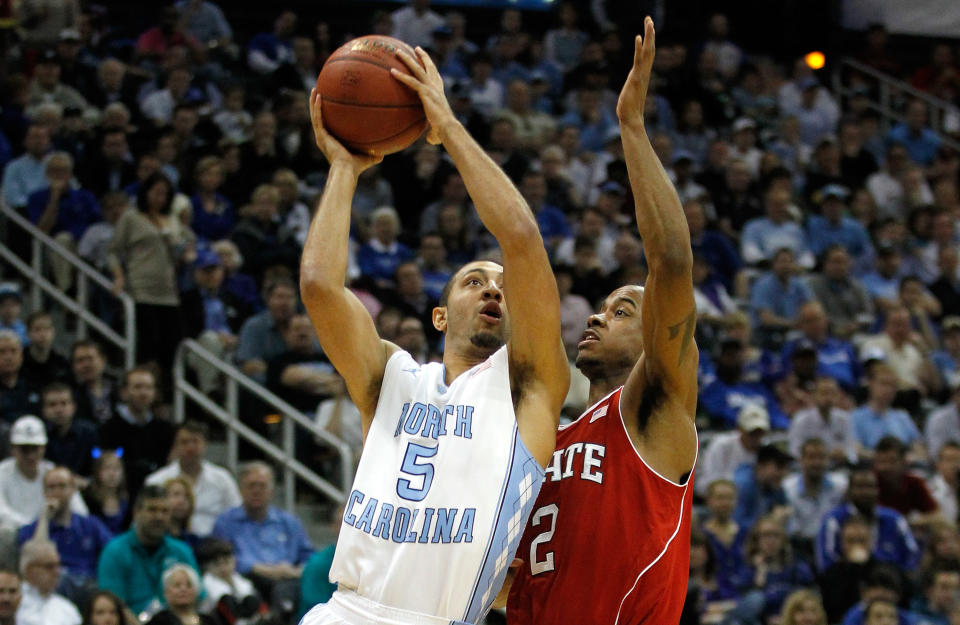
x,y
181,500
803,607
104,608
144,253
213,214
106,495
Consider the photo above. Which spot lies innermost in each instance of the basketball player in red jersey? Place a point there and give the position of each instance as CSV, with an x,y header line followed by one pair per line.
x,y
609,539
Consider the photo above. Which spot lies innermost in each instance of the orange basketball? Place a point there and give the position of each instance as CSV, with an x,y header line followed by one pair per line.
x,y
363,106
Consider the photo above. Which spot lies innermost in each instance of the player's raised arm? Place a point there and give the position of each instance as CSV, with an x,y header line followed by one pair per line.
x,y
346,331
668,313
537,360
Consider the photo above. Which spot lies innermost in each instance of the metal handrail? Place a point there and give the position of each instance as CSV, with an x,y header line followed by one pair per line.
x,y
79,306
229,416
889,88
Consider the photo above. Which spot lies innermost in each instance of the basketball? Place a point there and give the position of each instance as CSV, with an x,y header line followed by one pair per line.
x,y
365,107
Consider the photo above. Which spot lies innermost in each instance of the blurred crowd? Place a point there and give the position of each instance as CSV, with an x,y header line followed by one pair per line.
x,y
179,160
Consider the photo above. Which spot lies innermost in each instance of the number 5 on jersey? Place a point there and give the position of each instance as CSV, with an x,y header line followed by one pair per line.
x,y
405,487
538,519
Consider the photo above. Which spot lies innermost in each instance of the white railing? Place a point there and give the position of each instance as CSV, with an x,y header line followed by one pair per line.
x,y
42,246
291,420
892,95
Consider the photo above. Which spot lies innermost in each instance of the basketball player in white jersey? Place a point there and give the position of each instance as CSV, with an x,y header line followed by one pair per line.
x,y
454,453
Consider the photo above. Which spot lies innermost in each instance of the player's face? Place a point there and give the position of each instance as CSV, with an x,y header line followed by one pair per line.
x,y
476,311
613,337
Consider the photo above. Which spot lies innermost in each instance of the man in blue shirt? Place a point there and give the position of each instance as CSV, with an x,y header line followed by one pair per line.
x,y
79,538
260,337
763,236
776,296
759,490
835,358
26,174
551,220
883,283
877,417
271,545
921,142
894,541
132,564
832,227
728,393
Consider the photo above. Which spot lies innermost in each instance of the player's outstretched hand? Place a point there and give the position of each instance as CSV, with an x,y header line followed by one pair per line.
x,y
332,149
634,92
428,84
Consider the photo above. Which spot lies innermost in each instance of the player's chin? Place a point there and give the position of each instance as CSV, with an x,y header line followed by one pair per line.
x,y
486,339
585,360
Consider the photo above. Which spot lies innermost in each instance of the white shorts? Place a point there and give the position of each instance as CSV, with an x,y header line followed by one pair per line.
x,y
348,608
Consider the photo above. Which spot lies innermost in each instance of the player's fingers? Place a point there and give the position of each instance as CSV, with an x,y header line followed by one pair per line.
x,y
649,36
426,60
406,79
415,68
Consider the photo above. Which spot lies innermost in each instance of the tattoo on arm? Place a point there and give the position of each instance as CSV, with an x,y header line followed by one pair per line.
x,y
687,326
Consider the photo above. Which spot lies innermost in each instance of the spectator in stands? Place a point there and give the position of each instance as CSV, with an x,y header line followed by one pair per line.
x,y
40,605
315,585
70,441
27,173
729,450
827,421
21,476
42,365
212,315
432,258
47,88
759,490
414,24
213,214
898,489
773,570
180,498
267,51
293,212
380,256
146,439
95,393
877,417
270,544
79,538
593,225
776,296
18,396
181,590
836,358
811,492
903,350
410,298
843,580
894,542
10,596
725,398
261,336
886,185
104,608
132,564
880,593
946,480
946,287
260,237
724,535
883,282
844,299
856,162
592,119
169,34
106,495
302,375
816,114
220,577
214,488
144,252
831,228
533,128
113,85
11,308
301,73
112,169
803,607
920,141
62,212
941,585
923,309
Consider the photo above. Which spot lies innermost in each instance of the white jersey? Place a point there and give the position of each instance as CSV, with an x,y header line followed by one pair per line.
x,y
442,492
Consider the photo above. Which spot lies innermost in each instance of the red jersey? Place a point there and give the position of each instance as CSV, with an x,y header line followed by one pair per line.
x,y
608,542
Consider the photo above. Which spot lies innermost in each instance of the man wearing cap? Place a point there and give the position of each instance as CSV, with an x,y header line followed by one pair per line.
x,y
21,477
832,227
47,86
27,173
744,146
18,396
759,489
729,450
211,314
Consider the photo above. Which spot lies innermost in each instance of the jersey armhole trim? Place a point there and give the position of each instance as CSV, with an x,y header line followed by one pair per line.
x,y
626,434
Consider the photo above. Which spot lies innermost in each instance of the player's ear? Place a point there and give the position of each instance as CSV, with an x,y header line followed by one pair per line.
x,y
440,318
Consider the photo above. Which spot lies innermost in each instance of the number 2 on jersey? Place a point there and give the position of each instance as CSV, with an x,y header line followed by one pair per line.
x,y
405,487
542,566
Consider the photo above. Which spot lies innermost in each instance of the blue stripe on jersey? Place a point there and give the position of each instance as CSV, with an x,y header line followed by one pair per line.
x,y
525,475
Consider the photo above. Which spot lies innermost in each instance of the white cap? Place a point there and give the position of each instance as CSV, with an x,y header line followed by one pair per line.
x,y
28,430
753,417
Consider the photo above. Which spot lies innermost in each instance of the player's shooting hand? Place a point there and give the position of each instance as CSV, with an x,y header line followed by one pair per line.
x,y
332,149
428,84
634,93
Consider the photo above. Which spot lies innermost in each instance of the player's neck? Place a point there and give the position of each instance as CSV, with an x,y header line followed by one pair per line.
x,y
456,361
601,387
